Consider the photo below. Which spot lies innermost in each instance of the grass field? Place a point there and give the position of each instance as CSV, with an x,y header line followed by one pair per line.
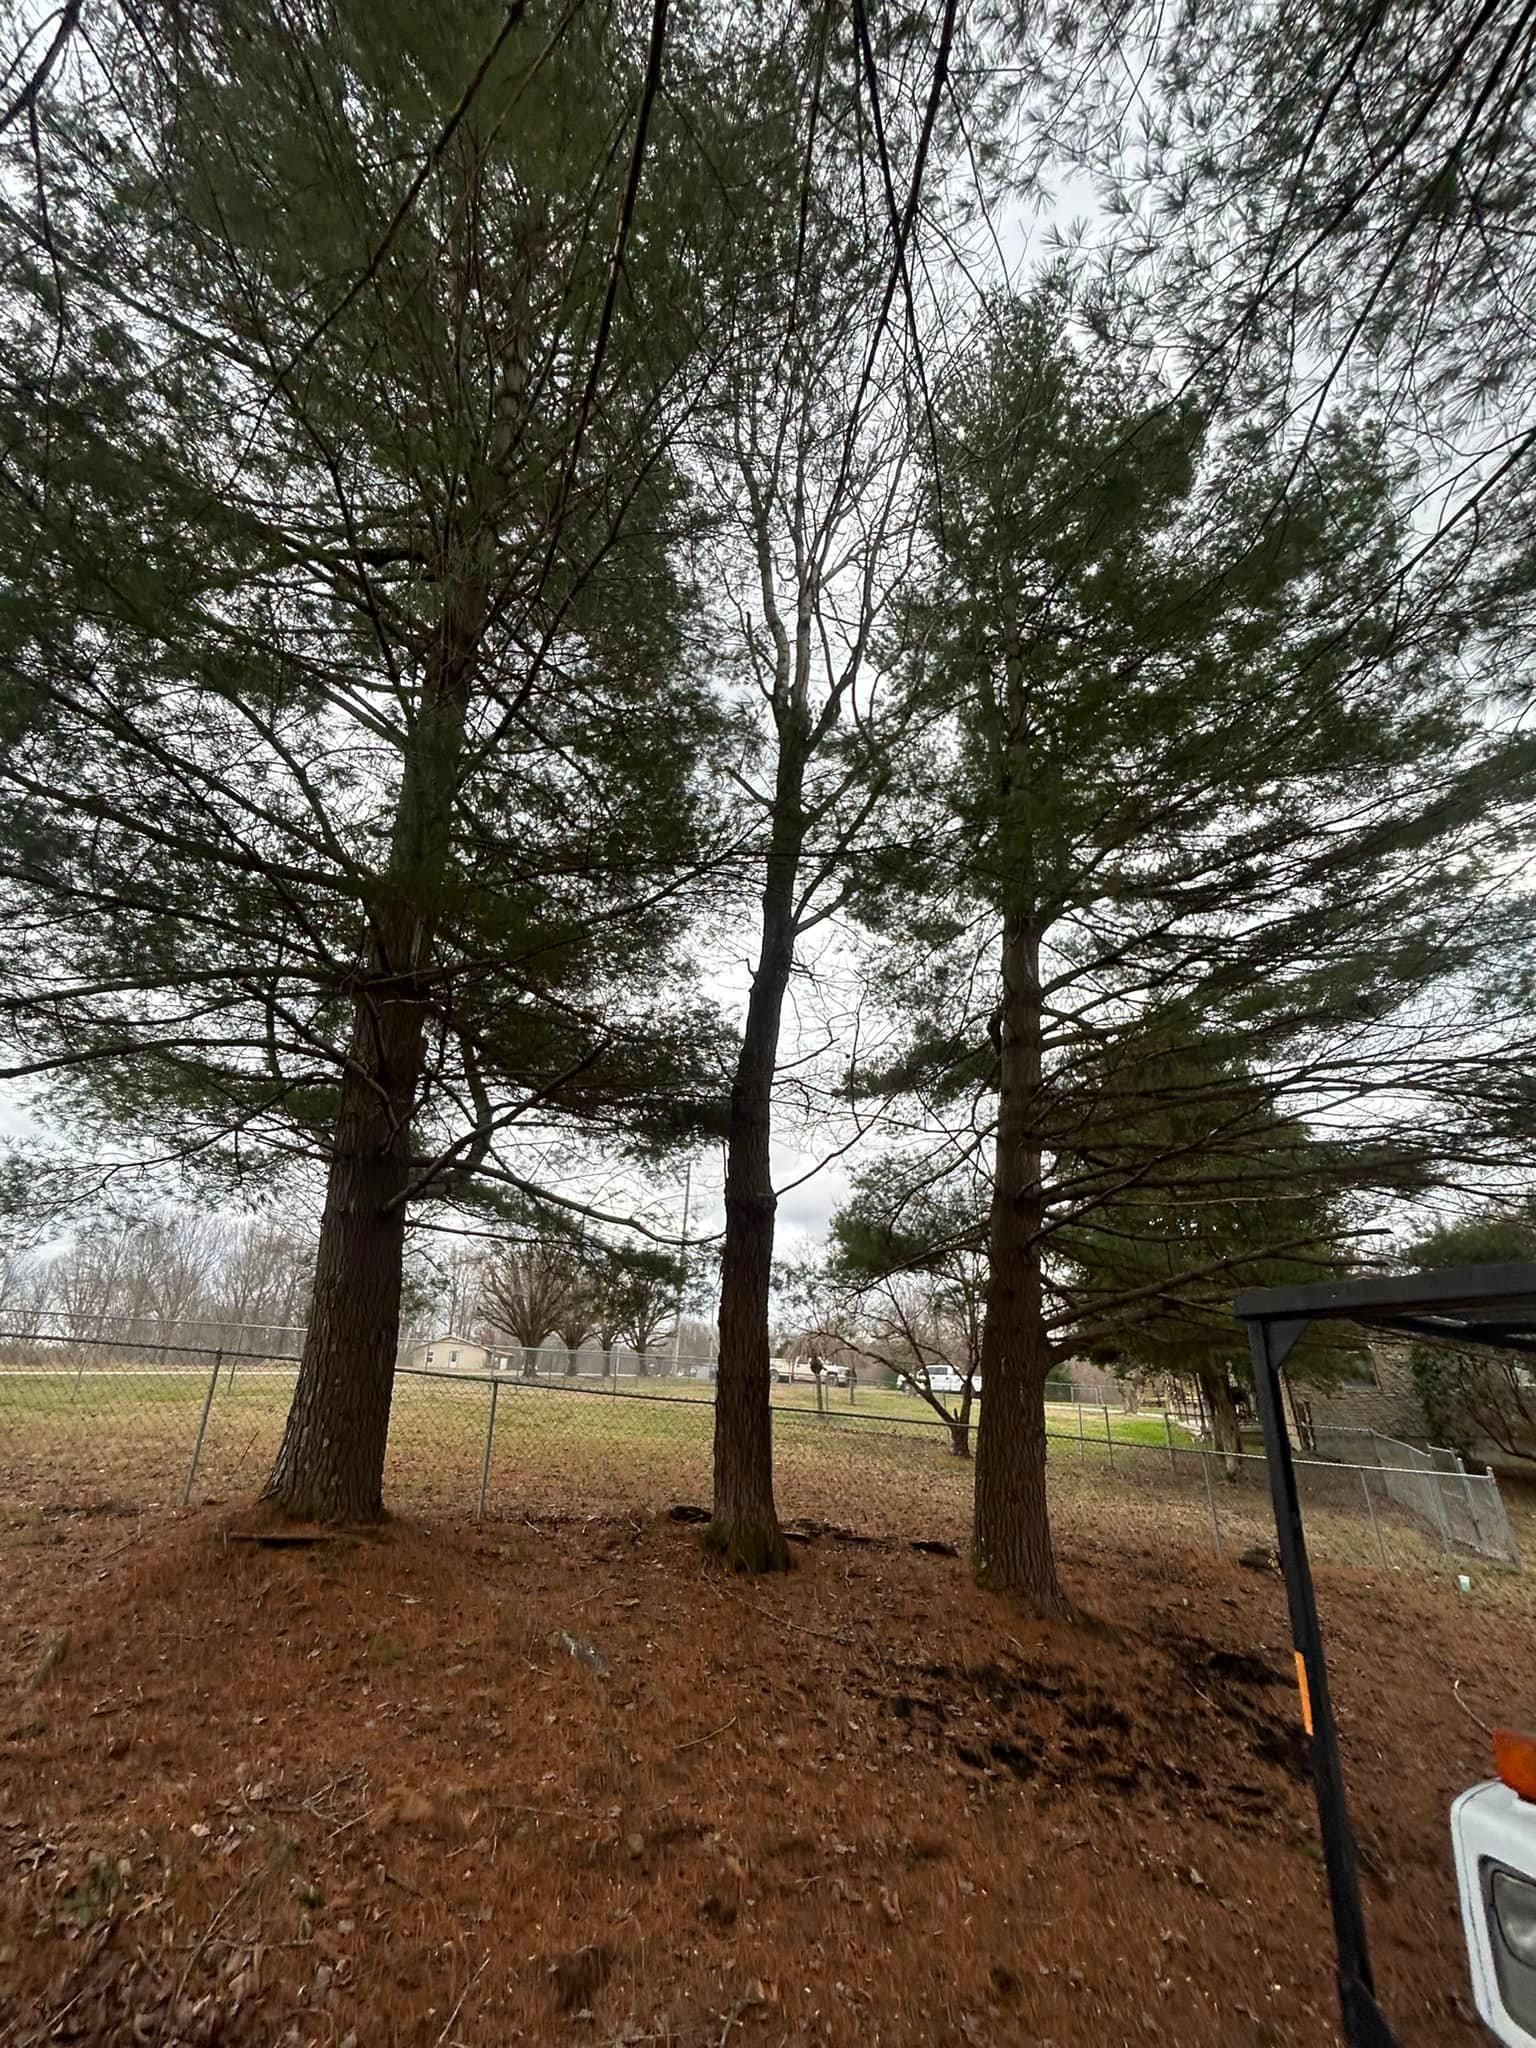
x,y
882,1464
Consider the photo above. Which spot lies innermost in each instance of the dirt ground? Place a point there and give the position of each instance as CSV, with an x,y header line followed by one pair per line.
x,y
570,1782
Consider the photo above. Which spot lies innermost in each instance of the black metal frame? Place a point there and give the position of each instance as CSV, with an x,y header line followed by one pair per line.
x,y
1468,1305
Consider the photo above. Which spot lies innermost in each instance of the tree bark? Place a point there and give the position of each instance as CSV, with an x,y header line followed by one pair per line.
x,y
530,1362
1222,1409
960,1428
330,1464
745,1528
1012,1539
570,1361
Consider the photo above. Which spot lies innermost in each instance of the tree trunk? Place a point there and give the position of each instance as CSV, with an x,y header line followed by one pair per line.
x,y
1012,1540
960,1428
570,1361
530,1361
746,1528
1225,1433
642,1370
330,1464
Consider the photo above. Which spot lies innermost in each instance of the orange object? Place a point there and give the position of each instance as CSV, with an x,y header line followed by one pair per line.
x,y
1305,1690
1514,1758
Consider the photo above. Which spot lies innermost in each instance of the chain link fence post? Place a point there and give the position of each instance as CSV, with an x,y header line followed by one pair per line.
x,y
202,1426
485,1461
1210,1498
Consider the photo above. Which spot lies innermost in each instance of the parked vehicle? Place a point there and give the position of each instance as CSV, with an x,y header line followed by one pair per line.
x,y
1493,1833
786,1370
943,1379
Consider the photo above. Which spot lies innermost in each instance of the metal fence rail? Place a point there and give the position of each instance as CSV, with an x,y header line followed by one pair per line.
x,y
153,1423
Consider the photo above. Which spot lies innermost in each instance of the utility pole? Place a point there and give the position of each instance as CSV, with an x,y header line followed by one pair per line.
x,y
682,1269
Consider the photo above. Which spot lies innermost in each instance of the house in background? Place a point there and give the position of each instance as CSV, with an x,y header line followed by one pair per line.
x,y
452,1353
1381,1396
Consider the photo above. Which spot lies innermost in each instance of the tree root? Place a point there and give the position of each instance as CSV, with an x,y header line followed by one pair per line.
x,y
752,1548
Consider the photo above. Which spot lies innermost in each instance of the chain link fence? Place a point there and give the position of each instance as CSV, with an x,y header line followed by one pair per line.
x,y
1432,1484
150,1424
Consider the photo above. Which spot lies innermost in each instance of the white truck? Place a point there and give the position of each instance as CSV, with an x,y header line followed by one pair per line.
x,y
1493,1832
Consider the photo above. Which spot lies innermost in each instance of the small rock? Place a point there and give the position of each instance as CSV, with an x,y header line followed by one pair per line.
x,y
325,1976
579,1648
635,1844
890,1905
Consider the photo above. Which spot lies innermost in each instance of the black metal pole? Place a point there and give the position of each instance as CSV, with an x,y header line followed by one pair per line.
x,y
1364,2025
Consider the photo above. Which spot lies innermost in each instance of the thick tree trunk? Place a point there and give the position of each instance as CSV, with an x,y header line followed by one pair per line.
x,y
530,1362
1225,1433
1012,1540
570,1361
642,1370
746,1528
330,1464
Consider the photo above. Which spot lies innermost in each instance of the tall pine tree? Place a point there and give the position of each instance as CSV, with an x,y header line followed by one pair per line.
x,y
346,785
1189,774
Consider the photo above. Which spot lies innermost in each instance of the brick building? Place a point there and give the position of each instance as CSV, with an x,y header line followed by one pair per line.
x,y
1382,1398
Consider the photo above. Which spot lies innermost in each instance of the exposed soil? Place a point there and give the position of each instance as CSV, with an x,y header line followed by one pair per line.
x,y
574,1783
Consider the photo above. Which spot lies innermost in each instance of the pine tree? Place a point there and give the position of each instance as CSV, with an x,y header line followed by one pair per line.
x,y
1190,777
1199,1205
348,730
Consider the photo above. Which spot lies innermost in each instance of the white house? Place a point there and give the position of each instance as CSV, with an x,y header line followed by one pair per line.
x,y
452,1353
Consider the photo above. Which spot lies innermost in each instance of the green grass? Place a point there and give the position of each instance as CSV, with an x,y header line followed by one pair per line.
x,y
880,1464
43,1394
650,1410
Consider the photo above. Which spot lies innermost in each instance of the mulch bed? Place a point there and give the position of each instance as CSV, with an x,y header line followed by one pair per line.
x,y
571,1782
